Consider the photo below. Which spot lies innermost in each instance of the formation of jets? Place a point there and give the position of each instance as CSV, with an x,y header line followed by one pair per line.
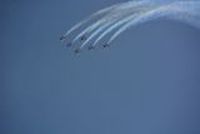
x,y
83,38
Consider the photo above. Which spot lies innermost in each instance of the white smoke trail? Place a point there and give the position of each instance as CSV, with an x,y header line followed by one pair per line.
x,y
123,12
122,21
125,15
95,33
178,10
99,23
101,12
111,17
88,30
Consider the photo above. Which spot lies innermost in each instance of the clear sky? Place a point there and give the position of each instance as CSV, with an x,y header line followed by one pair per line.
x,y
147,82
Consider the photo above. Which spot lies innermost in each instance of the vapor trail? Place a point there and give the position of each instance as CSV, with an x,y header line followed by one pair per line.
x,y
125,15
111,17
121,22
121,12
98,14
95,15
178,11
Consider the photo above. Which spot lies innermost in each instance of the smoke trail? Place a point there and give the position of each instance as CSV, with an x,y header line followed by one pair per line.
x,y
88,30
95,33
181,11
99,23
125,15
95,15
111,17
121,22
98,14
134,9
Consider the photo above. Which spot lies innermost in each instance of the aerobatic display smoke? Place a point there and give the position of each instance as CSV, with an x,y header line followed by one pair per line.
x,y
107,24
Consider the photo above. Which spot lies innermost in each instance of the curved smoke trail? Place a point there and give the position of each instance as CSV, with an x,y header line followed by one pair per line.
x,y
177,11
117,18
93,16
121,17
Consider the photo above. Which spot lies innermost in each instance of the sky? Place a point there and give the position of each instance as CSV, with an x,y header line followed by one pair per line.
x,y
147,82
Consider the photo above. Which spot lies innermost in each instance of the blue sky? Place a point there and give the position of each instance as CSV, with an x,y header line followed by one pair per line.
x,y
146,82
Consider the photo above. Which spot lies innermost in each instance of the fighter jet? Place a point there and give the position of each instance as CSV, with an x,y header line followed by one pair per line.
x,y
77,51
61,38
83,38
106,45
